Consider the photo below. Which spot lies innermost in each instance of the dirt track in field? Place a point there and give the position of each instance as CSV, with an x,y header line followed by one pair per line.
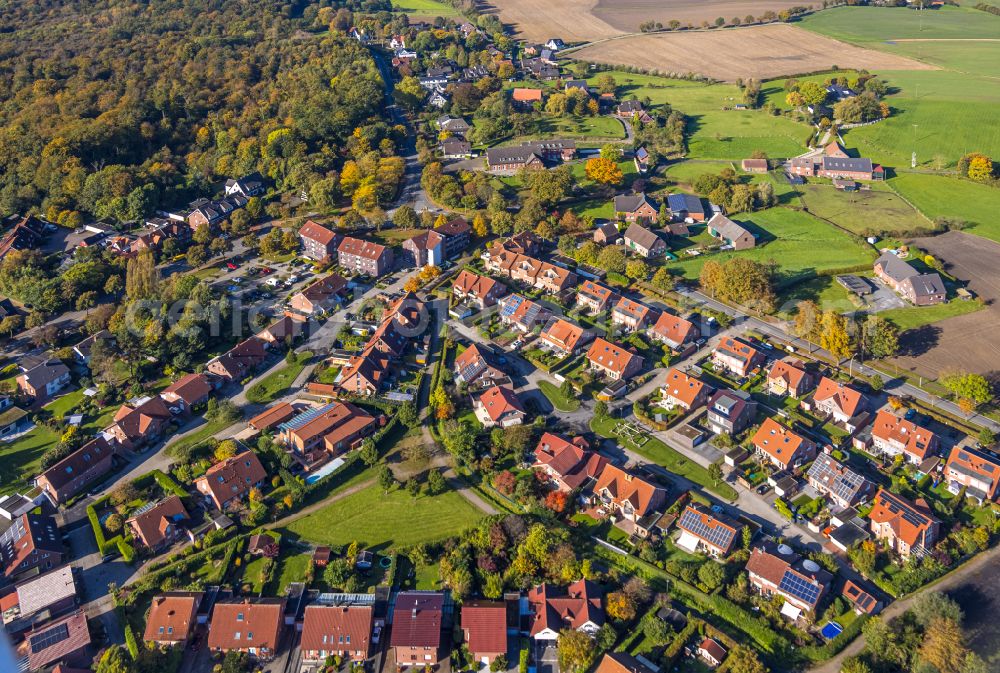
x,y
969,342
758,51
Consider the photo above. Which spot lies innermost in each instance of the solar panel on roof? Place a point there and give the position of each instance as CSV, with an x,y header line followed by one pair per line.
x,y
793,585
508,307
305,417
49,638
718,536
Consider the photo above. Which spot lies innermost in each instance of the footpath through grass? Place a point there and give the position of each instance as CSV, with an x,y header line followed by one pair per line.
x,y
376,519
658,452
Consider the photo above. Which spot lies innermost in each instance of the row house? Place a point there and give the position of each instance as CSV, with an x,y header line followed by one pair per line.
x,y
173,617
364,257
250,625
777,570
569,465
594,297
977,472
210,213
521,313
240,361
703,530
613,361
318,242
631,315
417,624
72,474
684,391
326,431
188,392
478,367
904,527
736,357
230,480
842,485
674,331
343,631
320,296
480,291
564,338
783,447
484,628
893,435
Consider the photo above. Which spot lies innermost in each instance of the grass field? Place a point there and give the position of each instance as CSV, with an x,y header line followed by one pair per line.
x,y
555,396
824,290
943,196
378,520
275,383
290,569
714,133
877,24
880,210
425,8
795,240
912,317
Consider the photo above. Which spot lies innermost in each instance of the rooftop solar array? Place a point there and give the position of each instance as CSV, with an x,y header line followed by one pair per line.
x,y
306,416
509,305
843,482
794,585
897,506
47,639
719,535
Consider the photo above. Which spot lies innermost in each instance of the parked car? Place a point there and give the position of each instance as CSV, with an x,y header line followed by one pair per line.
x,y
231,266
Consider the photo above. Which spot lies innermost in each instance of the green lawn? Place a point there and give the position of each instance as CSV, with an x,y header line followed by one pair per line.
x,y
824,290
290,569
796,240
591,129
661,454
912,317
376,520
865,25
953,198
555,396
252,574
275,383
199,435
425,8
879,211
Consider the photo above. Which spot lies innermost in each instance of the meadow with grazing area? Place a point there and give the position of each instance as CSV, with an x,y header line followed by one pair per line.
x,y
763,52
953,198
376,519
877,211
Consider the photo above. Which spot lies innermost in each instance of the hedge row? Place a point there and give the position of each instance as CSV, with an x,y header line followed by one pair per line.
x,y
817,653
106,546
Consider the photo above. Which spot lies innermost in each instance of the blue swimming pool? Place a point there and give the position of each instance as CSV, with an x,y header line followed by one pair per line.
x,y
832,630
325,470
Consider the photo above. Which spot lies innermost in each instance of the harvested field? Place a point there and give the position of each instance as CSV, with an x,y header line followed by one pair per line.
x,y
968,341
570,20
758,51
628,14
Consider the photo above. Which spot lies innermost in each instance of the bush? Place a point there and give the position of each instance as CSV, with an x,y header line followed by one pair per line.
x,y
130,642
522,664
126,550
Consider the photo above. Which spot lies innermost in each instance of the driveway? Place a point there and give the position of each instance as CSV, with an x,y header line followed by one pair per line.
x,y
883,298
546,656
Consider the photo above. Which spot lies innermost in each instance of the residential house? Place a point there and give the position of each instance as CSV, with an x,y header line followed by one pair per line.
x,y
555,44
783,447
320,296
920,289
977,472
631,315
838,400
438,99
187,392
644,242
38,599
803,166
636,208
44,380
454,125
27,234
754,165
633,109
703,530
141,422
290,326
641,159
613,361
842,485
864,603
417,621
272,417
84,348
72,474
247,186
65,640
569,465
736,357
457,233
673,330
478,367
684,391
711,652
424,249
620,662
849,168
210,213
343,631
480,291
594,296
330,429
522,313
157,525
551,609
251,625
172,617
230,480
484,628
529,155
239,361
564,338
525,99
31,544
607,234
893,435
903,526
456,148
364,257
779,570
318,242
731,234
637,501
530,271
686,207
788,377
499,407
13,420
730,411
364,375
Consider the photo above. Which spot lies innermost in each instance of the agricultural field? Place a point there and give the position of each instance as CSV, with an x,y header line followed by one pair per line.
x,y
426,8
879,211
943,196
538,21
863,25
763,52
798,242
957,341
375,519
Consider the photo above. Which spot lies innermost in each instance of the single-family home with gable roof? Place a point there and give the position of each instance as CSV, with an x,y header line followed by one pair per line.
x,y
636,208
563,337
481,291
72,474
484,628
499,406
417,622
684,391
903,526
703,530
774,569
614,361
788,377
673,330
230,480
551,609
977,472
730,411
631,315
781,446
841,484
644,242
635,500
569,465
838,400
894,435
157,525
920,289
594,296
736,357
251,625
730,233
336,631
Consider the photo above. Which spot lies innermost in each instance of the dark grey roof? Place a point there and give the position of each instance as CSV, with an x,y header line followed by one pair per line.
x,y
685,203
642,236
840,480
926,284
895,268
861,165
726,228
629,203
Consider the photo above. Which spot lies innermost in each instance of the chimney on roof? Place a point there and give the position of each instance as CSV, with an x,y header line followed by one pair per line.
x,y
414,612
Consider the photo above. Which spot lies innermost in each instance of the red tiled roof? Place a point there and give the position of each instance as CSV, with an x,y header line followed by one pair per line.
x,y
624,487
890,508
337,627
485,627
317,232
573,464
682,387
610,356
792,372
272,416
526,95
713,649
563,334
416,620
554,608
150,523
674,328
470,283
190,388
916,441
846,398
233,477
498,401
779,442
361,248
171,617
241,624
